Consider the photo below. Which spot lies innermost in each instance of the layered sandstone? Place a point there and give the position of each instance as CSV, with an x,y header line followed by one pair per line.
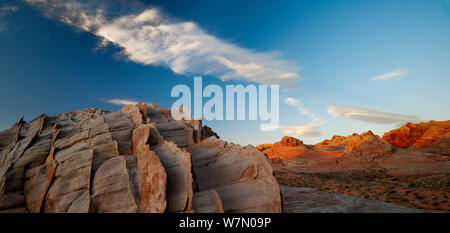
x,y
132,160
363,151
356,152
287,148
366,166
242,176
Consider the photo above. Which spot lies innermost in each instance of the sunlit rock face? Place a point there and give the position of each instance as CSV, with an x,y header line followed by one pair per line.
x,y
242,176
362,151
287,148
359,151
432,136
366,166
132,160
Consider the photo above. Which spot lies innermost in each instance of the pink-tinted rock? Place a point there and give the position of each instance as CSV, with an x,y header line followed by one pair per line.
x,y
242,176
418,135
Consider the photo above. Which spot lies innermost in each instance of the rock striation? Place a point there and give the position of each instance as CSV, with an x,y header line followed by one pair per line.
x,y
242,176
138,159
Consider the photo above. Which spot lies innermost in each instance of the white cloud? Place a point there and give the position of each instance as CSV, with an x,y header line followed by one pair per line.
x,y
121,101
300,107
151,38
392,75
368,115
308,130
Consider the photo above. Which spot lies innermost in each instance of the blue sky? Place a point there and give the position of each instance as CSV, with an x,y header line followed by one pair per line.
x,y
335,50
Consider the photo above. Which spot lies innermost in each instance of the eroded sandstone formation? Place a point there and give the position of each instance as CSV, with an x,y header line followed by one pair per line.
x,y
367,166
242,176
432,136
357,151
362,151
132,160
287,148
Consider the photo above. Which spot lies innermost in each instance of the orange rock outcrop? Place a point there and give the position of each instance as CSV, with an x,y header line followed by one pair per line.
x,y
290,141
418,135
287,148
372,167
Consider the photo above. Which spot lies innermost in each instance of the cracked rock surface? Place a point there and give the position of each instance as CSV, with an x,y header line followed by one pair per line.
x,y
138,159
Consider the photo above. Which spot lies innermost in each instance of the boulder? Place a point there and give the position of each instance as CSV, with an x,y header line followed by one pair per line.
x,y
111,190
242,176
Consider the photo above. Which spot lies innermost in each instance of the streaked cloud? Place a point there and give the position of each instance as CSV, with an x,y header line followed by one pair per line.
x,y
308,130
149,37
120,101
368,115
300,107
389,76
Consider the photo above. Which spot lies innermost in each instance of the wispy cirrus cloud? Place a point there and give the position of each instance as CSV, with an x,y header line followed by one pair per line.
x,y
389,76
300,107
308,130
368,115
120,101
149,37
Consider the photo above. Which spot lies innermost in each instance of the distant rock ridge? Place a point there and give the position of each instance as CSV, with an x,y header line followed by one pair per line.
x,y
290,141
363,150
360,151
138,159
368,168
288,147
432,136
